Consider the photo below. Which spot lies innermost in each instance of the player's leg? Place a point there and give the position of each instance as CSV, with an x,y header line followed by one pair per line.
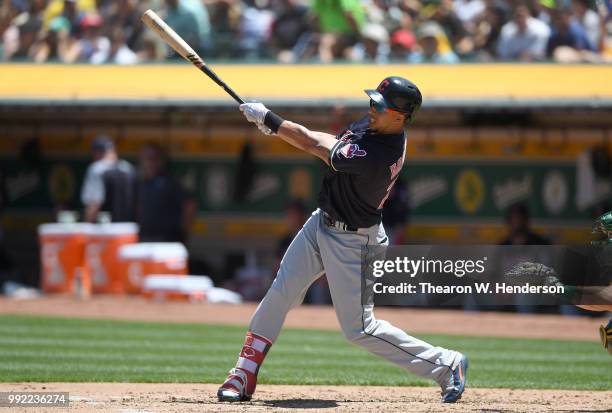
x,y
341,254
605,334
301,266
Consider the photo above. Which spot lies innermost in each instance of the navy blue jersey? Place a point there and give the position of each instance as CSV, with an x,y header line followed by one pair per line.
x,y
363,168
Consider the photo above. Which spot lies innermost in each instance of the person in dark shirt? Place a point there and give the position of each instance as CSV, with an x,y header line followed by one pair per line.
x,y
291,24
567,31
364,162
165,210
109,184
519,232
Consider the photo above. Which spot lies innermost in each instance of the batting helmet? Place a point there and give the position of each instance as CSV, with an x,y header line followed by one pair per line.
x,y
398,94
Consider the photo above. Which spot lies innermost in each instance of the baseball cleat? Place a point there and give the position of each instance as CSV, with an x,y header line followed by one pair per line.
x,y
227,395
459,378
233,389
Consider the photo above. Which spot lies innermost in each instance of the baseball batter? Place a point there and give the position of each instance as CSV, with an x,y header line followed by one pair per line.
x,y
364,161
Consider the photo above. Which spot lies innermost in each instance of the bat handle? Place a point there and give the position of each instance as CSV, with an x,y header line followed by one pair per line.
x,y
221,83
233,94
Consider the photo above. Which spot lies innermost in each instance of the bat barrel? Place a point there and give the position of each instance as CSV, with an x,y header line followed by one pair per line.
x,y
155,23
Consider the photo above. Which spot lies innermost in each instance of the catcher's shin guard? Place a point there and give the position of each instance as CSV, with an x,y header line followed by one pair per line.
x,y
242,380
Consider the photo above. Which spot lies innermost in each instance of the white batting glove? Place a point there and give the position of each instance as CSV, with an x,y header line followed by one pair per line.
x,y
264,129
254,112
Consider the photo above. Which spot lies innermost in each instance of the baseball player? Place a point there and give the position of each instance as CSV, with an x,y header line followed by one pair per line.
x,y
364,161
602,237
602,234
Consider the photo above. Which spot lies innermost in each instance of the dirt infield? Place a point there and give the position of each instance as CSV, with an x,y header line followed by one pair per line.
x,y
162,398
142,398
414,321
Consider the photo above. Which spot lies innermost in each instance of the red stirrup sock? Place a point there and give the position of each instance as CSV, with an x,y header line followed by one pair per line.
x,y
250,359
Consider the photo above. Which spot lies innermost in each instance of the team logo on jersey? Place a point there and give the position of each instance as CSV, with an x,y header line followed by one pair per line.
x,y
351,150
248,352
346,136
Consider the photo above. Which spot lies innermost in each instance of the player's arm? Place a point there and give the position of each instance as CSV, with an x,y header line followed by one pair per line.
x,y
316,143
319,144
92,194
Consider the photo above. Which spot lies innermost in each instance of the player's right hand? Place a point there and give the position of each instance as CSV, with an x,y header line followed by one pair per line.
x,y
264,129
254,112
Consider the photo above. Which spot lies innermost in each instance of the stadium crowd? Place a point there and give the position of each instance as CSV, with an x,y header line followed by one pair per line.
x,y
412,31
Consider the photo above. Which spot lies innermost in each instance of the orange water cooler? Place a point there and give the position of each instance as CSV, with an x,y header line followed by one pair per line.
x,y
62,256
102,255
141,260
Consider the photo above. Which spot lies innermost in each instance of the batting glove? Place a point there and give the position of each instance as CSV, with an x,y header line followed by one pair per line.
x,y
264,129
254,112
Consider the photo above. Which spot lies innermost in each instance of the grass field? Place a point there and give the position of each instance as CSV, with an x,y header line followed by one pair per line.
x,y
45,349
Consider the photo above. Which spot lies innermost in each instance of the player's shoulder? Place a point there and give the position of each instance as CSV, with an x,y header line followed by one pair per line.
x,y
125,166
358,127
98,167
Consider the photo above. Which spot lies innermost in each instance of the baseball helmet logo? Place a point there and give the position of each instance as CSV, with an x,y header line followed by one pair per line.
x,y
383,85
352,150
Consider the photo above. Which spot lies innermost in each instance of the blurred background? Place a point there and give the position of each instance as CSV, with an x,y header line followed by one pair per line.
x,y
100,123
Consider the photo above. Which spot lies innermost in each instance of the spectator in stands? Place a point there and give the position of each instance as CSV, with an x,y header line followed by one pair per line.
x,y
542,9
201,14
73,10
488,29
468,11
152,48
386,13
605,39
589,20
566,34
225,23
374,44
285,30
92,47
524,38
445,15
255,28
109,184
23,21
180,15
123,15
430,36
120,53
339,23
402,43
291,25
519,231
20,36
165,212
54,43
8,11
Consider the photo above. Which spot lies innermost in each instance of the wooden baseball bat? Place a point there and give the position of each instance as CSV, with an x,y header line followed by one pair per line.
x,y
155,23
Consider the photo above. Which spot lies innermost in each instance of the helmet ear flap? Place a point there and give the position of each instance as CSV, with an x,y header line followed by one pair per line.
x,y
410,116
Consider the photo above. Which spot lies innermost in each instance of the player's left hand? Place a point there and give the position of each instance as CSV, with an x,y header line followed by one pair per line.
x,y
254,112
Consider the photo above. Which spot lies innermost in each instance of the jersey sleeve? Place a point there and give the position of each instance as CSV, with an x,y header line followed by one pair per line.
x,y
351,158
92,191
